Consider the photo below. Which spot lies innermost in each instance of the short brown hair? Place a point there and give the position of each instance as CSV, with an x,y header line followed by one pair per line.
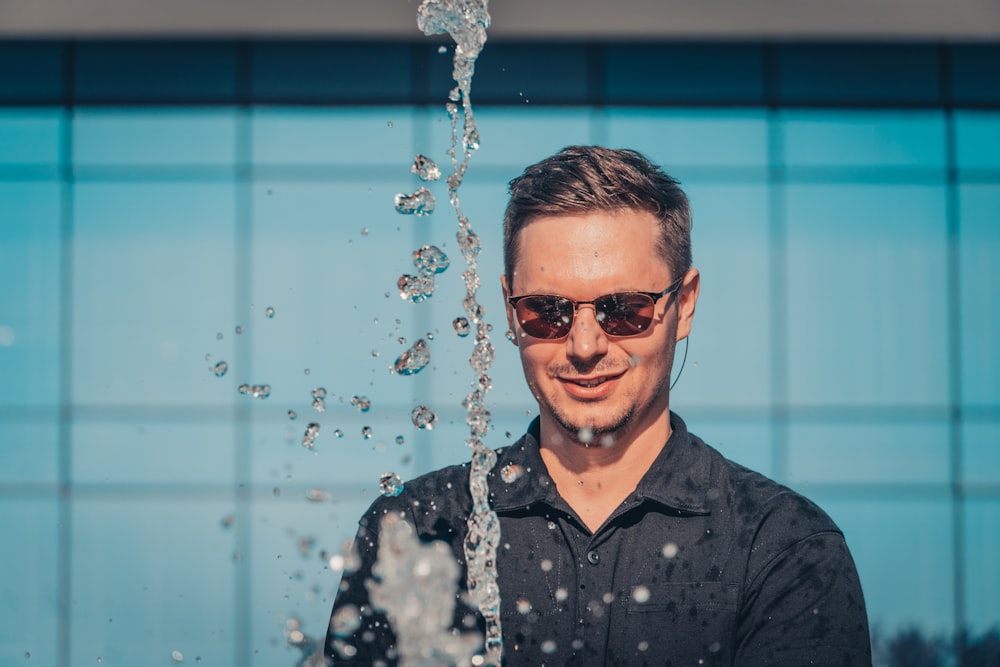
x,y
582,179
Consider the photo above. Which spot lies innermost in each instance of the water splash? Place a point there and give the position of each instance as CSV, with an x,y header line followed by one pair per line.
x,y
420,203
413,360
466,21
423,417
414,584
425,168
390,484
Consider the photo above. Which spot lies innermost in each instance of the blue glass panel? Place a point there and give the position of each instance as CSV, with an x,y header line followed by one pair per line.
x,y
157,577
745,441
516,138
153,283
859,74
290,576
151,452
903,551
156,71
708,138
864,139
30,137
330,72
693,73
30,301
979,278
29,453
327,258
982,553
977,139
729,360
145,137
31,71
866,284
347,137
279,459
869,453
974,70
980,453
28,582
522,73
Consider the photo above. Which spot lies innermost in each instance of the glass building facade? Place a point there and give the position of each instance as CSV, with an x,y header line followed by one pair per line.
x,y
157,198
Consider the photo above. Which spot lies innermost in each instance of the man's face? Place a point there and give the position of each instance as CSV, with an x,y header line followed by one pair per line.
x,y
589,382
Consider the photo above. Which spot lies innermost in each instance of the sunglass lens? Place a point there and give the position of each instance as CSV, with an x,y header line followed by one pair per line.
x,y
626,314
545,316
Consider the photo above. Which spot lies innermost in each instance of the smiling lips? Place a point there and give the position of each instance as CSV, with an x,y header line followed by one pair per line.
x,y
590,388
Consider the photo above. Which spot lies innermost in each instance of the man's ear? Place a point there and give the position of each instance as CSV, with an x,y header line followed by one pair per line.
x,y
687,299
508,310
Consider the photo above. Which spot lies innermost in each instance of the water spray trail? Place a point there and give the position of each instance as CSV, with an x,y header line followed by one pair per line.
x,y
466,21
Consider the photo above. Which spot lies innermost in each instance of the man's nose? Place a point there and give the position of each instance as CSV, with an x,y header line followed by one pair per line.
x,y
586,338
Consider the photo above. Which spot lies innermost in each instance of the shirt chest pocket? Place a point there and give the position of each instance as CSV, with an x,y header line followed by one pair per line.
x,y
691,622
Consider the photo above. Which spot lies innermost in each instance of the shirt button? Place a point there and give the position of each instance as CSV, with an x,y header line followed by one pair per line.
x,y
593,557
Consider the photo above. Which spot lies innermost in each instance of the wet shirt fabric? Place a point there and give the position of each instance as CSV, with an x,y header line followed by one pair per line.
x,y
705,563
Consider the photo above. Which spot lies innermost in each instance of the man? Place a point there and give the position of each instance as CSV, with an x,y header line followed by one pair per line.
x,y
626,540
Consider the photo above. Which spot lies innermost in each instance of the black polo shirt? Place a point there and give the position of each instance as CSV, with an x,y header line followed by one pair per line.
x,y
705,563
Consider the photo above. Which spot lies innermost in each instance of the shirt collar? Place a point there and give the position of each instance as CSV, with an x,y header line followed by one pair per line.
x,y
679,477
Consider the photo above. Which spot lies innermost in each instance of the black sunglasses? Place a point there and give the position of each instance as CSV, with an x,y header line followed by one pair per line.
x,y
550,316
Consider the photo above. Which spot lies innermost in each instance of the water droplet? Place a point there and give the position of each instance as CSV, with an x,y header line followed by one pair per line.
x,y
562,594
400,440
177,656
523,606
430,259
239,329
243,389
318,392
390,484
220,369
316,495
413,360
585,434
461,326
276,491
319,405
442,49
420,203
374,353
389,124
337,433
218,336
641,594
364,231
228,521
362,403
511,472
269,312
425,168
309,438
366,432
292,414
306,371
260,391
415,288
423,417
549,646
670,550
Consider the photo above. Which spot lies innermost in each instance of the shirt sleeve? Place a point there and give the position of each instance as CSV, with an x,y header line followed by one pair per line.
x,y
805,607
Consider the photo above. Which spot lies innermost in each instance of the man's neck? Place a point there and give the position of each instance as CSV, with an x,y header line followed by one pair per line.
x,y
595,479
